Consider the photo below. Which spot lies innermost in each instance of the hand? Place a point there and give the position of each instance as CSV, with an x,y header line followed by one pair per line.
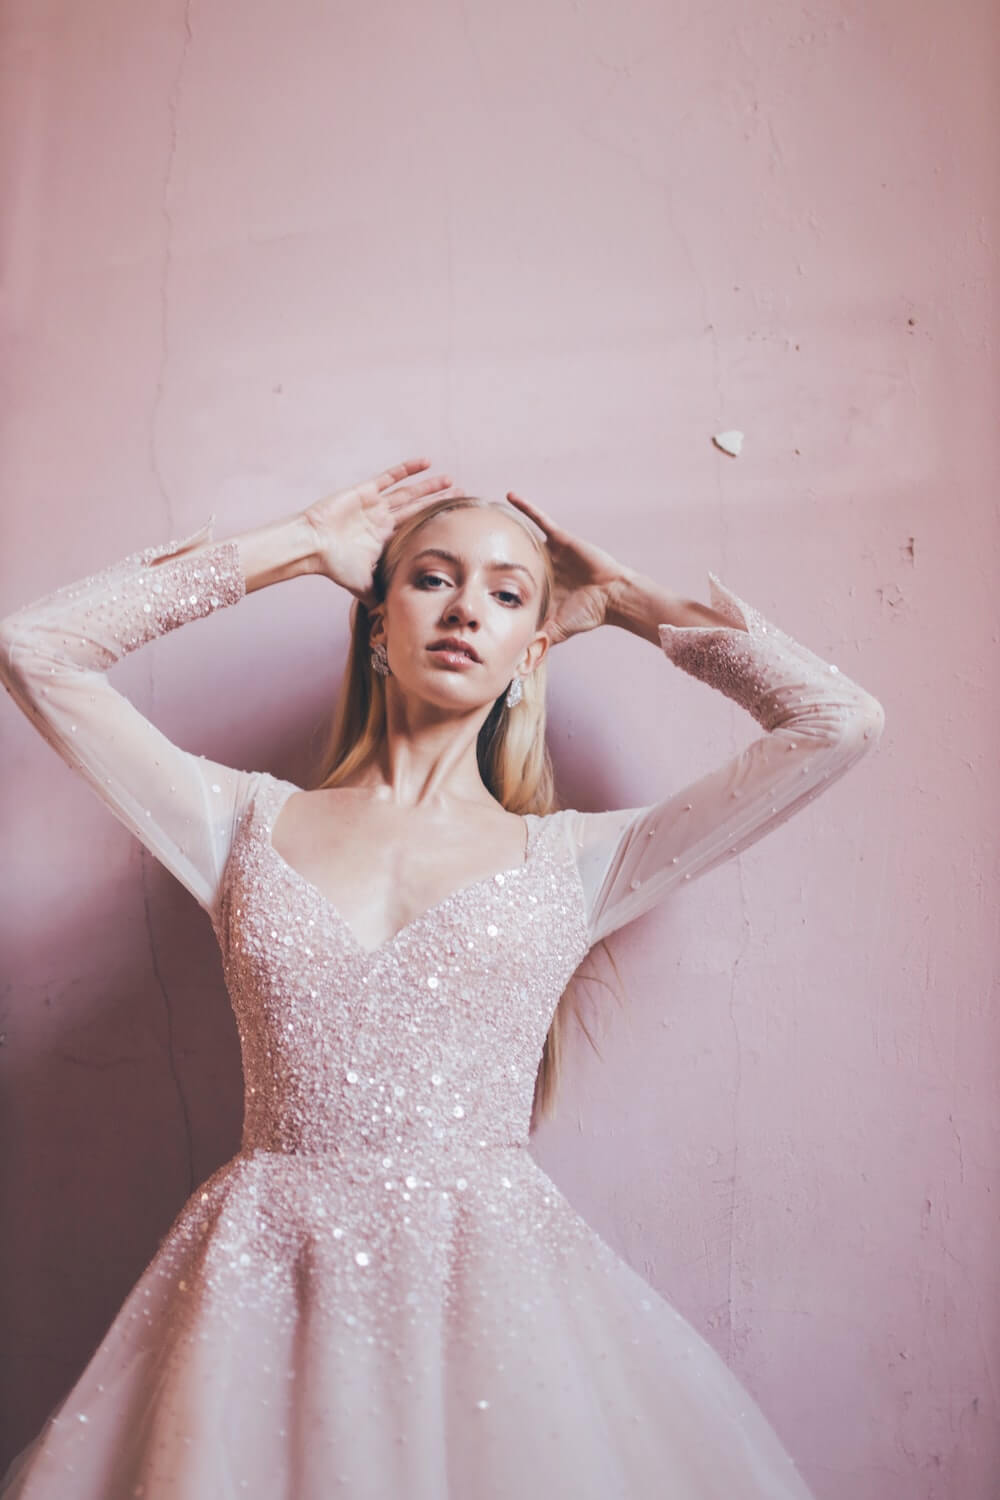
x,y
586,578
352,526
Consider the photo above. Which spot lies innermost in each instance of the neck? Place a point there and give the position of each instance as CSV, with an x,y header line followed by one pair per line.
x,y
427,757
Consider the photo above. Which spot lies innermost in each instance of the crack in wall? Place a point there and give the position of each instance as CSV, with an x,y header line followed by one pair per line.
x,y
94,1064
958,1143
449,345
173,112
168,1013
737,1084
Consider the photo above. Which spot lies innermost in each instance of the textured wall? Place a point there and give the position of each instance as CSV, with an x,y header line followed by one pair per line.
x,y
251,252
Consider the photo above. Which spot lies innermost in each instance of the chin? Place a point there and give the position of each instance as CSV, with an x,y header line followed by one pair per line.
x,y
450,692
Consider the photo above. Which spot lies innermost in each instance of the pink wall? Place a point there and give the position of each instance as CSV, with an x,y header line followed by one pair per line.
x,y
253,251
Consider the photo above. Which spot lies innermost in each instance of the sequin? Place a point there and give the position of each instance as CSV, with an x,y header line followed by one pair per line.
x,y
382,1252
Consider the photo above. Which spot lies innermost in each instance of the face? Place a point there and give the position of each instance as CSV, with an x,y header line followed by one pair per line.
x,y
475,576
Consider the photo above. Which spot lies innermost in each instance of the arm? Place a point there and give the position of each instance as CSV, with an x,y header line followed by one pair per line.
x,y
54,655
818,723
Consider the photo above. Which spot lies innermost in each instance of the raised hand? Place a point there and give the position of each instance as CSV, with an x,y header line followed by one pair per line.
x,y
585,577
352,526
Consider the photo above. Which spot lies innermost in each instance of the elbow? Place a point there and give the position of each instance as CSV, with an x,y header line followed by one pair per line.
x,y
18,652
8,640
863,725
872,716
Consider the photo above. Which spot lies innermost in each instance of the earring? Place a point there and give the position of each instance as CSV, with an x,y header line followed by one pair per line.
x,y
380,659
514,693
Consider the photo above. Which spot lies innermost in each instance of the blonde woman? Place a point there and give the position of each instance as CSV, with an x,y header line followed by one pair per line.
x,y
381,1294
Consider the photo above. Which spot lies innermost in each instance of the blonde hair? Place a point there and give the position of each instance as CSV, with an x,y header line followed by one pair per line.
x,y
511,750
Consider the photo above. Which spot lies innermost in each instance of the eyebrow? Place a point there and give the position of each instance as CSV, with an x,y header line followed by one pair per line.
x,y
506,567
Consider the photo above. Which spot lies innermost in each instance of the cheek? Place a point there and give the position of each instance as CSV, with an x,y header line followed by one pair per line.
x,y
410,619
526,625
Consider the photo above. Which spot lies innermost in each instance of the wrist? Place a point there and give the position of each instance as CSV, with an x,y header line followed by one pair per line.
x,y
277,551
641,605
637,604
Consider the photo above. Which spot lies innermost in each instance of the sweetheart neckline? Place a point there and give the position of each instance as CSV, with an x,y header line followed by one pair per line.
x,y
270,818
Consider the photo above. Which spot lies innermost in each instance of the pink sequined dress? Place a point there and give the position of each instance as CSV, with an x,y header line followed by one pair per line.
x,y
382,1296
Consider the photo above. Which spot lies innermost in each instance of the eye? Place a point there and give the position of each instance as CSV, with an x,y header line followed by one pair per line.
x,y
511,599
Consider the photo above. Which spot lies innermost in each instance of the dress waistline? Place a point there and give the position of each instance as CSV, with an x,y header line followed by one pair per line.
x,y
364,1163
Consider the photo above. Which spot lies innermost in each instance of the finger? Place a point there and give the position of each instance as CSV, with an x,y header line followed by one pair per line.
x,y
425,487
404,510
429,486
450,492
418,494
400,471
538,516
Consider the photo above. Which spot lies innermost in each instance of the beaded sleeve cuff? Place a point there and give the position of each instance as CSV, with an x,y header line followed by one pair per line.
x,y
761,668
129,603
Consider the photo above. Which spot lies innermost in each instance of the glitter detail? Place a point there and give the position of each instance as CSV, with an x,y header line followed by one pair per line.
x,y
818,724
449,1076
383,1257
84,628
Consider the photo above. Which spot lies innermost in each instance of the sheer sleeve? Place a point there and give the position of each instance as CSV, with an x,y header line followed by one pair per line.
x,y
54,655
818,723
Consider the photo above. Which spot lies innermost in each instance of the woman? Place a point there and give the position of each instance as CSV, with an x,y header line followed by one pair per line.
x,y
382,1295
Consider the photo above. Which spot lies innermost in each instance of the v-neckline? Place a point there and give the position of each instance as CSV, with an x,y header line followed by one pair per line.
x,y
277,802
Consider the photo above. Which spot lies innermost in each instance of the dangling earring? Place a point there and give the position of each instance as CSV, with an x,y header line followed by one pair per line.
x,y
514,693
380,659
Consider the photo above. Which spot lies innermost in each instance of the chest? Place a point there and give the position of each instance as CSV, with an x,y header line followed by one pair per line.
x,y
490,953
381,868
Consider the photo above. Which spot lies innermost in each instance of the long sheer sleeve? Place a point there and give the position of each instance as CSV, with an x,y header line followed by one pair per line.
x,y
818,723
54,655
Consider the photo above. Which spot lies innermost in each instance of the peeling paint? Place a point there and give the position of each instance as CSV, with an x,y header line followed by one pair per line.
x,y
730,442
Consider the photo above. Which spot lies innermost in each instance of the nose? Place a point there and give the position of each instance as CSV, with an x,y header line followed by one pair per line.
x,y
461,611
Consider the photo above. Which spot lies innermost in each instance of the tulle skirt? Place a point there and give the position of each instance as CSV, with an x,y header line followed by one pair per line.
x,y
303,1335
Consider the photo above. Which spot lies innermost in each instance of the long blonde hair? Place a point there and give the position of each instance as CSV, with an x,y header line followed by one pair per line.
x,y
511,750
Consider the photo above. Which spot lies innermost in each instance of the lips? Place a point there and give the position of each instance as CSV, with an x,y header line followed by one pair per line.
x,y
452,643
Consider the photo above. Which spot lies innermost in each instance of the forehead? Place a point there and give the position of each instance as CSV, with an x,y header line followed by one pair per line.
x,y
477,536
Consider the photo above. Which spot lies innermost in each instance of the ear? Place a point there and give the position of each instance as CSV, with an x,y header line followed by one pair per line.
x,y
535,654
376,631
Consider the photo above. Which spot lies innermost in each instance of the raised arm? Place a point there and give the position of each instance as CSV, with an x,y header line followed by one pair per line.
x,y
54,656
56,652
818,723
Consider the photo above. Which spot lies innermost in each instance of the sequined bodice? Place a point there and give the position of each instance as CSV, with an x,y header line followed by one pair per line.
x,y
382,1293
431,1041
